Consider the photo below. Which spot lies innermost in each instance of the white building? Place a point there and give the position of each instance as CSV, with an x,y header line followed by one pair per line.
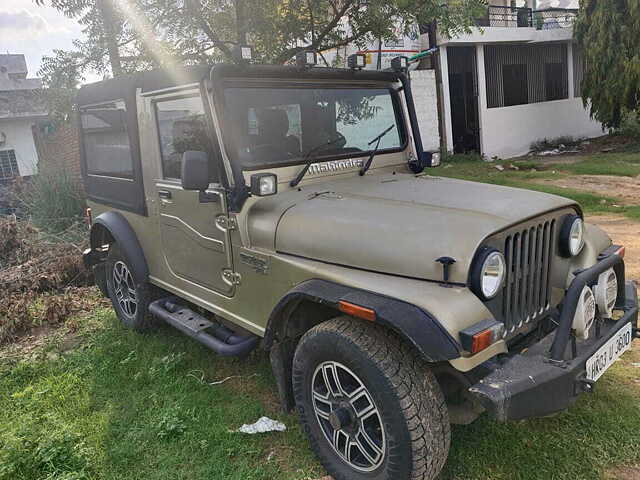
x,y
20,108
513,80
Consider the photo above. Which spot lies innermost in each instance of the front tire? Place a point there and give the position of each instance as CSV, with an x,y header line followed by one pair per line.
x,y
130,298
370,405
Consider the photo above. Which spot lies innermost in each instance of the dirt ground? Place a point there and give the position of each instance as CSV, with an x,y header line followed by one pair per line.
x,y
623,232
627,189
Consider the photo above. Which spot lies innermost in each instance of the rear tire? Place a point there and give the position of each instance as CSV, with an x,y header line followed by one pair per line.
x,y
130,297
408,435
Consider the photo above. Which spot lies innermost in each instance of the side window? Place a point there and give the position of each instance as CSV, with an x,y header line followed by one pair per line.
x,y
182,126
106,140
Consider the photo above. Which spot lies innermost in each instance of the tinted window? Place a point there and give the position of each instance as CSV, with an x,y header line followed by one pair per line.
x,y
279,126
182,126
106,140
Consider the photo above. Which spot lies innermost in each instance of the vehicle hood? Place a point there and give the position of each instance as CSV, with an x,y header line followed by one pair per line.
x,y
395,224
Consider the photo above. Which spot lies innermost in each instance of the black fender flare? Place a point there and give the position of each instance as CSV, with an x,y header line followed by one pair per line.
x,y
415,325
120,230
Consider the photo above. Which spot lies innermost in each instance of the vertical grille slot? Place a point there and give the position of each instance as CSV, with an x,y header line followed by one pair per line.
x,y
528,255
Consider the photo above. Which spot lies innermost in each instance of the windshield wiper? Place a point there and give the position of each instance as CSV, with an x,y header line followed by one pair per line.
x,y
309,159
377,139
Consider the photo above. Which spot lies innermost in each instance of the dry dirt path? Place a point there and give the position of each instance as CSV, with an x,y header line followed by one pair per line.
x,y
623,232
626,189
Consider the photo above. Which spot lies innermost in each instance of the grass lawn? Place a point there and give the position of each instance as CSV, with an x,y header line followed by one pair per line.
x,y
121,405
108,403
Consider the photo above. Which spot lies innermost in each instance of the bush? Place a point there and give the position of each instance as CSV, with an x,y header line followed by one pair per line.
x,y
54,201
630,126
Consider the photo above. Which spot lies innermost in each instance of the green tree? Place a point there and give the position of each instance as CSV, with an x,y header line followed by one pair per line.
x,y
608,32
131,35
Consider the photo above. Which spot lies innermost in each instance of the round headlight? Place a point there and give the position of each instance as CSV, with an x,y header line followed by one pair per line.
x,y
572,236
488,273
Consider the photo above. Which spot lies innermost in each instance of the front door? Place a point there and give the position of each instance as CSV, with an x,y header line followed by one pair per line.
x,y
463,88
195,242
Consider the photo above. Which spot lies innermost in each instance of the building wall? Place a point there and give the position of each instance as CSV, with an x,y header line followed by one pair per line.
x,y
20,139
424,88
509,131
59,150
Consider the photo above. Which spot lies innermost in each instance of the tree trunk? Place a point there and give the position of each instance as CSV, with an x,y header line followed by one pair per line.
x,y
241,22
111,42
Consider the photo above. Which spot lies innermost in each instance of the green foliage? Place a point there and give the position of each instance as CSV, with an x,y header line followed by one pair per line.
x,y
127,36
630,126
608,32
54,201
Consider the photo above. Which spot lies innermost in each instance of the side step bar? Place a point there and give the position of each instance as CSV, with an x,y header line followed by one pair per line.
x,y
212,335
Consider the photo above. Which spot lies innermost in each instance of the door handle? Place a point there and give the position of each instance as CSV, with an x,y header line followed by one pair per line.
x,y
164,194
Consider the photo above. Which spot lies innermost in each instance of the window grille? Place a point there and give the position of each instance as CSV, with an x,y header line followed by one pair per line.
x,y
520,74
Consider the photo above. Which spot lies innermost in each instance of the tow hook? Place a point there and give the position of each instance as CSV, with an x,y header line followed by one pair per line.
x,y
585,385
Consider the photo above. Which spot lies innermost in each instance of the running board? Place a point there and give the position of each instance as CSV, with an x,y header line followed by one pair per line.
x,y
212,335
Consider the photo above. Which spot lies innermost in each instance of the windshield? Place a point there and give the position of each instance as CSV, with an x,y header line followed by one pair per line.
x,y
266,126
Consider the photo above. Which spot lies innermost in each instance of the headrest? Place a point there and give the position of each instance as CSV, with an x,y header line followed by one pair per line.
x,y
273,122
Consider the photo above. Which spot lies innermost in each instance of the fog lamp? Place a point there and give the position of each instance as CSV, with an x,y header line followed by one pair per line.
x,y
606,292
264,184
585,314
357,61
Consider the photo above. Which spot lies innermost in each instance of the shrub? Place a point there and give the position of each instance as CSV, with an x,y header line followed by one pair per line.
x,y
630,126
54,201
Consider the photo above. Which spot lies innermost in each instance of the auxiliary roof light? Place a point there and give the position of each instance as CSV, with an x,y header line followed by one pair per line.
x,y
357,61
306,59
399,64
242,53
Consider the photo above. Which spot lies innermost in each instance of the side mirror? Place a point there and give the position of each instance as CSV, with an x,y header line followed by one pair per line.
x,y
264,184
195,170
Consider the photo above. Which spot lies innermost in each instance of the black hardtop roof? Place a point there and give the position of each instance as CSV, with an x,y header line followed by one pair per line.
x,y
125,85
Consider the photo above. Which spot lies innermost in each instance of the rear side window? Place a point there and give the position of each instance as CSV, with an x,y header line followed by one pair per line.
x,y
106,140
182,126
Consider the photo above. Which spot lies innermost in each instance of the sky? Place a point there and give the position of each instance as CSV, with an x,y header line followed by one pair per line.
x,y
34,31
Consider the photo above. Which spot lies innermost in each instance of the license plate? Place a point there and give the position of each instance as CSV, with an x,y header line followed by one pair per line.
x,y
609,353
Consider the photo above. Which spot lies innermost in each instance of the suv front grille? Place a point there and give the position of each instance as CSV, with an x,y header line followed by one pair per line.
x,y
527,293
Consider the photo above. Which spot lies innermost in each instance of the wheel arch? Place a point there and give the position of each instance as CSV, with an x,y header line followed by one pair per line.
x,y
110,227
315,301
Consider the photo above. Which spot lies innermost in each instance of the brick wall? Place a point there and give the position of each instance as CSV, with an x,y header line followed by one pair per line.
x,y
58,149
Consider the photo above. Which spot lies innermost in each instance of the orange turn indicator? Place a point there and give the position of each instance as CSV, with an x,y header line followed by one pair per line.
x,y
482,341
357,311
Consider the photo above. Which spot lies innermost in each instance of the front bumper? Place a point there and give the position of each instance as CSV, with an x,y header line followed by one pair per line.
x,y
546,378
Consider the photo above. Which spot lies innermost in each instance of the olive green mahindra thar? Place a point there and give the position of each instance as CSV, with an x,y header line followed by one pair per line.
x,y
291,209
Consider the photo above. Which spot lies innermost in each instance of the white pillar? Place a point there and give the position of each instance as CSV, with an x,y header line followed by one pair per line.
x,y
571,90
446,98
482,94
